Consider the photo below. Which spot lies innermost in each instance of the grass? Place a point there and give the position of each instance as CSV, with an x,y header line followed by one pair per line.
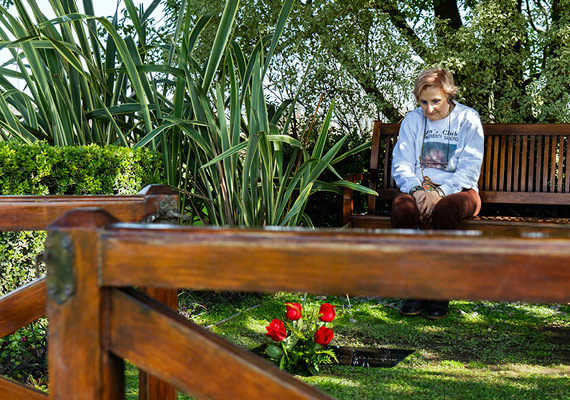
x,y
482,350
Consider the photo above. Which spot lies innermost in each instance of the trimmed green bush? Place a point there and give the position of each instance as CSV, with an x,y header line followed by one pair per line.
x,y
40,169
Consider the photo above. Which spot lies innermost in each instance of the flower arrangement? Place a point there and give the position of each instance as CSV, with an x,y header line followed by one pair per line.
x,y
299,342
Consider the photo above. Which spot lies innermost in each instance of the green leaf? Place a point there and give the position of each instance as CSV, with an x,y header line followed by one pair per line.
x,y
351,152
282,20
274,351
355,186
222,36
321,140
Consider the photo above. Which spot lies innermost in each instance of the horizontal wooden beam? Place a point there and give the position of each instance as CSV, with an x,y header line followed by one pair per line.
x,y
542,198
496,197
22,306
498,129
21,213
157,339
11,390
462,265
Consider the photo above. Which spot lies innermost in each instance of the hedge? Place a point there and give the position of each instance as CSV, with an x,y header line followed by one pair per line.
x,y
40,169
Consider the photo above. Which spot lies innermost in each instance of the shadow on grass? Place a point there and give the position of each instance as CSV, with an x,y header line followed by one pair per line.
x,y
491,333
485,332
483,350
417,383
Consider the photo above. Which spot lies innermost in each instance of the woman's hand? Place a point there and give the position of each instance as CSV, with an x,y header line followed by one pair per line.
x,y
426,202
420,197
426,208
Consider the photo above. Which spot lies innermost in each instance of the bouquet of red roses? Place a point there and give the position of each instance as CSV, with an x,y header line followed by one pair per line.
x,y
299,342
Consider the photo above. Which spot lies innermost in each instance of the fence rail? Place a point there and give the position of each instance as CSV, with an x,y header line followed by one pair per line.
x,y
28,303
97,324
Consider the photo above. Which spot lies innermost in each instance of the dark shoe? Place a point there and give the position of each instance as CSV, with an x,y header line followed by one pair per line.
x,y
437,309
413,307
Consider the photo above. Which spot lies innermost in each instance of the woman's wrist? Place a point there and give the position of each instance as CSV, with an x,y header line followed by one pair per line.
x,y
415,189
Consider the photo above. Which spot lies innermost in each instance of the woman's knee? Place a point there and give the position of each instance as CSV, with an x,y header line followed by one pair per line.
x,y
450,210
447,214
405,213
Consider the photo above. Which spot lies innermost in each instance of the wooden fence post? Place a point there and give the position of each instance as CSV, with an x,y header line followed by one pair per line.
x,y
150,387
163,201
80,367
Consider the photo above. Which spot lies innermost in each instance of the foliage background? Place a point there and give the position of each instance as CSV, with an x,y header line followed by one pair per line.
x,y
509,56
93,80
41,169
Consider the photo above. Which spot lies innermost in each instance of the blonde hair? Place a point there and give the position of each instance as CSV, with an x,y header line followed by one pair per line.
x,y
439,77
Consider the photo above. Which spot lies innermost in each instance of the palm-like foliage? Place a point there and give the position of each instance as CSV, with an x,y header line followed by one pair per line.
x,y
220,143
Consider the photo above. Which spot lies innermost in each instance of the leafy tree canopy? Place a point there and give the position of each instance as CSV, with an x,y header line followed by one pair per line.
x,y
509,57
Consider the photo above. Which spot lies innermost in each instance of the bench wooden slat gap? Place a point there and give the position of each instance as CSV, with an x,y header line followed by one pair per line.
x,y
553,157
531,164
496,161
488,159
510,168
517,173
387,163
560,161
524,161
545,165
567,166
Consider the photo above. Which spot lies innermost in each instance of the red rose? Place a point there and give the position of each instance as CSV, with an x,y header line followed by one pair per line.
x,y
324,335
327,312
276,330
294,311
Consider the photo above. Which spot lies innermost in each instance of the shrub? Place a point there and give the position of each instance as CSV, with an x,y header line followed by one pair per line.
x,y
40,169
23,355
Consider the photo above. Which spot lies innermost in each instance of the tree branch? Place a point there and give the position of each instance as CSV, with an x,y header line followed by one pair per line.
x,y
365,81
390,8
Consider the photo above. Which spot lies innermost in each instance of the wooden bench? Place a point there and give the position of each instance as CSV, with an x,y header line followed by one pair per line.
x,y
522,164
98,323
28,303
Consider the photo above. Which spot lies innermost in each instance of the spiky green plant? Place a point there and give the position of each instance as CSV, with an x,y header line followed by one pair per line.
x,y
221,145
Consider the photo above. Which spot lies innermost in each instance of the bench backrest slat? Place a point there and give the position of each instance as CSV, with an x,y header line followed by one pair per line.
x,y
523,163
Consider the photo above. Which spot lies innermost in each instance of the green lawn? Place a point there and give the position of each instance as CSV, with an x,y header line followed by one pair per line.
x,y
483,350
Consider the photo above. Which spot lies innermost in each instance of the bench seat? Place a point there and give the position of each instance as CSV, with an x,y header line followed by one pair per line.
x,y
498,223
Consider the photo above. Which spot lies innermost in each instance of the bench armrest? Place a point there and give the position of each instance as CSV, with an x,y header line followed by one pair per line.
x,y
348,196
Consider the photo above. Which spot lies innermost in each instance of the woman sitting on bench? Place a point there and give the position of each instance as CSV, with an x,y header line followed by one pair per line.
x,y
436,165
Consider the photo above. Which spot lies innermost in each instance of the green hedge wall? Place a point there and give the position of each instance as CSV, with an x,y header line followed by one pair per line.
x,y
41,169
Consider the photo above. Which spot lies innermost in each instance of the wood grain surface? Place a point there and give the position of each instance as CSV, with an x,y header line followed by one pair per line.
x,y
22,306
462,265
11,390
190,357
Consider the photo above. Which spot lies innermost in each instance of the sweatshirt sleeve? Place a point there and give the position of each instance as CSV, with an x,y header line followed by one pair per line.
x,y
404,155
466,175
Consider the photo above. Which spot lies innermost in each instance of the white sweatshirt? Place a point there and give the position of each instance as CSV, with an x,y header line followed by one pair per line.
x,y
449,151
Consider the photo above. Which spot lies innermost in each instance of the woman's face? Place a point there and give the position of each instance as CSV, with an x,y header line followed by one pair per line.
x,y
434,103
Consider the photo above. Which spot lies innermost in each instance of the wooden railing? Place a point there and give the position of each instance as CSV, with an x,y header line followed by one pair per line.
x,y
28,303
96,321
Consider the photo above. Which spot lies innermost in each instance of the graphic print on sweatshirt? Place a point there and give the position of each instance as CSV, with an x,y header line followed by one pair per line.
x,y
437,148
